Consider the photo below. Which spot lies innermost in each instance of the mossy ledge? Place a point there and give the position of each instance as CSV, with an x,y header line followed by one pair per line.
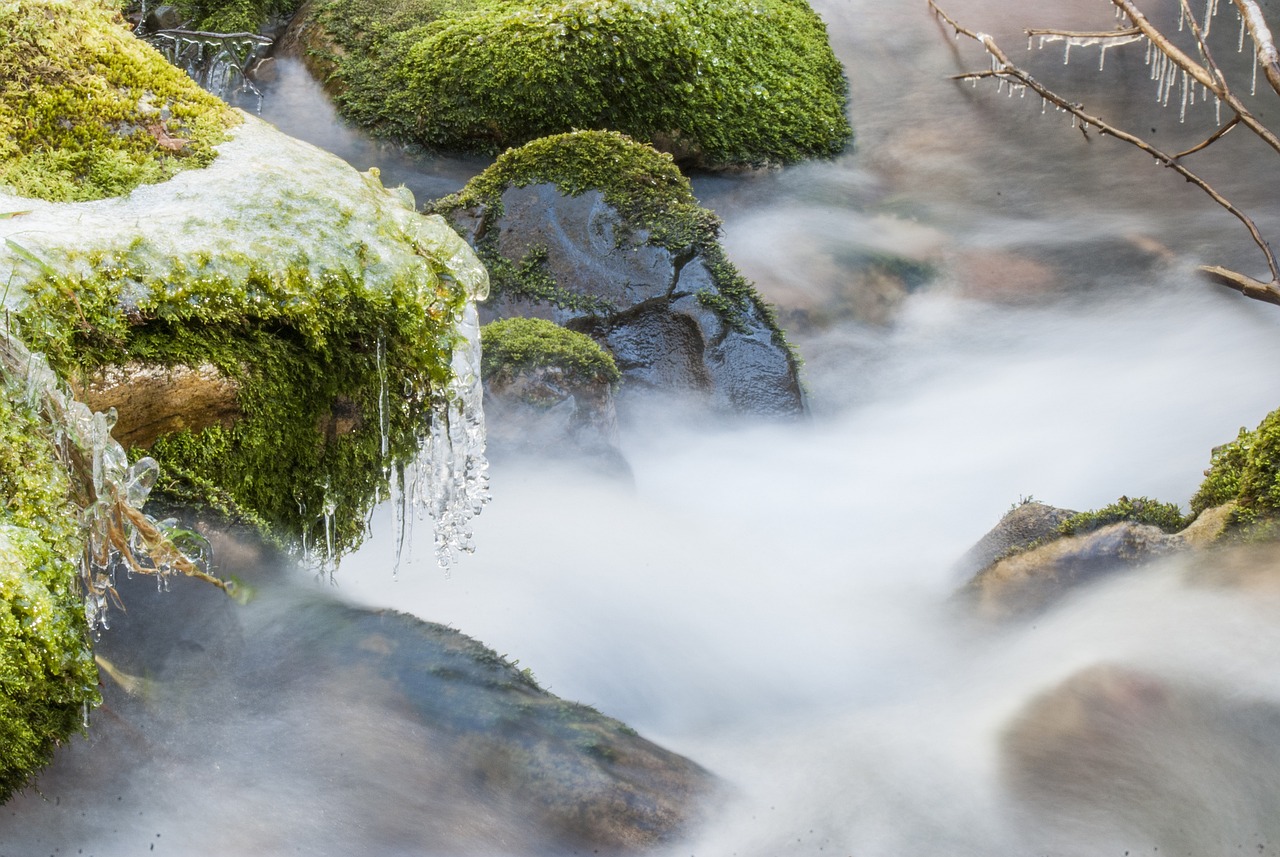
x,y
87,111
1246,472
718,83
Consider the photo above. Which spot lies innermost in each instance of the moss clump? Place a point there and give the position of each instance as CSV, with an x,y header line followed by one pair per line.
x,y
515,344
87,111
313,356
642,184
1247,471
1167,516
47,673
716,81
232,16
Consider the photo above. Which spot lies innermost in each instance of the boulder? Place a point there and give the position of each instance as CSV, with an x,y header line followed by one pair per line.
x,y
602,235
343,730
1146,760
549,394
1026,524
715,84
1029,582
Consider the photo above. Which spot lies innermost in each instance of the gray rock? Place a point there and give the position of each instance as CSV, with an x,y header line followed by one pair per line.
x,y
1022,526
1029,582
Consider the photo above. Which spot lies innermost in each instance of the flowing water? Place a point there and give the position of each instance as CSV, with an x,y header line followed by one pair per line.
x,y
774,601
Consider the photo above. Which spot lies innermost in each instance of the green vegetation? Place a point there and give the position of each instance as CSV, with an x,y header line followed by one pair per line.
x,y
1141,510
232,16
47,674
1246,470
646,188
515,344
716,82
87,111
310,355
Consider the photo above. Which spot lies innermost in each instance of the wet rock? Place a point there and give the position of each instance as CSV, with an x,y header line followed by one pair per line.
x,y
1153,760
341,730
1022,526
164,17
629,258
1029,582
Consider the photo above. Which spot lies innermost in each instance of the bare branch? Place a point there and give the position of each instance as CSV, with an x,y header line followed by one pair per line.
x,y
1247,286
1265,47
1213,138
1004,68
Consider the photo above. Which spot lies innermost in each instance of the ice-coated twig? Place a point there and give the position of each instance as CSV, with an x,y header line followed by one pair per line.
x,y
1264,45
1002,68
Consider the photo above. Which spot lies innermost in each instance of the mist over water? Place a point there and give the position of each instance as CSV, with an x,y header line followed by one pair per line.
x,y
774,600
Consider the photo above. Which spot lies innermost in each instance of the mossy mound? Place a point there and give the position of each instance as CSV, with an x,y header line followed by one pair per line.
x,y
87,111
515,344
1245,471
1140,510
717,82
232,16
328,301
47,674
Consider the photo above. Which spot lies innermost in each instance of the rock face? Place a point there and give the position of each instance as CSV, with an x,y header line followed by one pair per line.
x,y
714,84
1026,583
1021,527
1155,759
341,730
602,235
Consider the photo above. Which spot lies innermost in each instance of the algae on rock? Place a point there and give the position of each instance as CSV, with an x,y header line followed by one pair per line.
x,y
87,111
716,83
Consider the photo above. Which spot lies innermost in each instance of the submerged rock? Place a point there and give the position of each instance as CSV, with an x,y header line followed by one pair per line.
x,y
337,730
1154,759
716,84
602,235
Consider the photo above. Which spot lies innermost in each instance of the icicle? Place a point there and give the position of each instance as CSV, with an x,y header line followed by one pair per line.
x,y
1217,110
1210,10
1240,38
1253,85
1182,17
384,427
1182,115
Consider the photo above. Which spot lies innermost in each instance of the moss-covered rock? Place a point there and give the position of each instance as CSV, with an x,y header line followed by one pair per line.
x,y
1246,471
47,675
231,16
519,344
603,235
87,111
715,82
326,300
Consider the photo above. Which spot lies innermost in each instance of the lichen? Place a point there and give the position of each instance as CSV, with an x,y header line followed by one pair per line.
x,y
718,82
1246,471
516,344
87,111
47,674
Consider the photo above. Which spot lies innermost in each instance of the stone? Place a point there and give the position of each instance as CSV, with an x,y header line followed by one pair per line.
x,y
1021,527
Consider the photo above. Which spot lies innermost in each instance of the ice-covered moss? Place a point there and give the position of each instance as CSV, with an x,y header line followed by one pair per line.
x,y
332,305
718,82
47,674
516,344
87,111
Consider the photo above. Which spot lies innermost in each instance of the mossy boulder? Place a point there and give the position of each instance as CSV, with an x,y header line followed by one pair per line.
x,y
230,16
549,392
321,300
48,679
602,234
717,83
1246,472
87,111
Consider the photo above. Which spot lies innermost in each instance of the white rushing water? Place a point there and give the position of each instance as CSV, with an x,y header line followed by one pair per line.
x,y
774,600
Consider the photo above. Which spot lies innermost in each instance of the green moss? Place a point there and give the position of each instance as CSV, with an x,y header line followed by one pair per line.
x,y
720,82
515,344
232,16
1141,510
311,354
1247,470
47,673
83,104
645,187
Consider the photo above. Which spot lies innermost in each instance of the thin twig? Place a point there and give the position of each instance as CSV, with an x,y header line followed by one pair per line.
x,y
1214,137
1005,69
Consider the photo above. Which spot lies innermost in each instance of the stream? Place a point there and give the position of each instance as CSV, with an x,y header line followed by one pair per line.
x,y
774,600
